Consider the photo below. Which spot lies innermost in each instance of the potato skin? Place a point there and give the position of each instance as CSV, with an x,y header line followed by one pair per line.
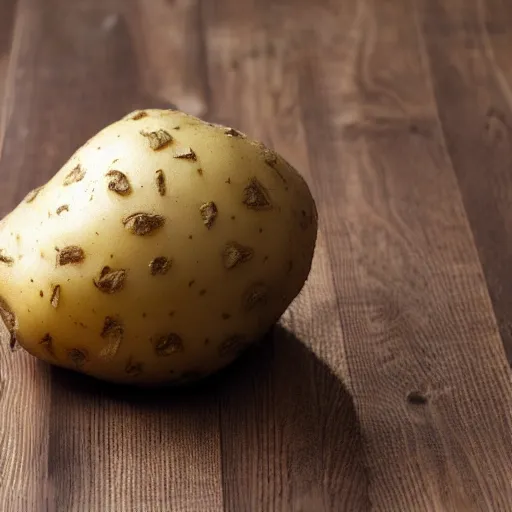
x,y
161,250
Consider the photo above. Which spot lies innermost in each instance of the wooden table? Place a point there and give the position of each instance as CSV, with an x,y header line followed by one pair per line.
x,y
387,386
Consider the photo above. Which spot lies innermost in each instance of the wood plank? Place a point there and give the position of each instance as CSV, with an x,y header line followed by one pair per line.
x,y
171,52
25,399
290,437
428,372
472,79
95,448
23,458
7,12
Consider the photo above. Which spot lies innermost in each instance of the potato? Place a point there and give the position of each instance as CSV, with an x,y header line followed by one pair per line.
x,y
161,250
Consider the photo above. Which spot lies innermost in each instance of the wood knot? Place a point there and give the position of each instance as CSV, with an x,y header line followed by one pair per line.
x,y
417,398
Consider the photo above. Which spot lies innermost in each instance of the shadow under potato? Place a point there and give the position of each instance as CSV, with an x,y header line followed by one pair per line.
x,y
288,426
254,359
256,363
290,433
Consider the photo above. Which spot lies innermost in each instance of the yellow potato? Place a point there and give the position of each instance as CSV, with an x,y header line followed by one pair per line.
x,y
158,252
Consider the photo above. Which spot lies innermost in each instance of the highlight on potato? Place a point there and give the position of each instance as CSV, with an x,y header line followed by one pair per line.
x,y
163,248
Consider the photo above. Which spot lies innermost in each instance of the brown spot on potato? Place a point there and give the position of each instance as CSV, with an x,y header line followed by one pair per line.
x,y
139,115
168,345
186,153
234,254
209,213
47,344
160,266
32,195
134,369
233,346
118,183
158,140
202,292
110,281
255,296
11,322
256,196
78,357
76,175
191,283
306,220
142,224
160,182
63,208
226,316
70,255
271,159
269,156
113,332
6,260
112,328
41,294
231,132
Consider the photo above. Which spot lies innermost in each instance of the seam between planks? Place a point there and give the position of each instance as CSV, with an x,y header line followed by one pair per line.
x,y
10,77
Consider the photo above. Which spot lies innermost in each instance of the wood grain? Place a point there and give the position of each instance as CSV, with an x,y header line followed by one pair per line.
x,y
171,52
423,350
7,18
24,405
472,83
385,387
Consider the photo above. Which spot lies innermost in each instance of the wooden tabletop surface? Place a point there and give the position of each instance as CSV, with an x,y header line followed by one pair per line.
x,y
386,386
